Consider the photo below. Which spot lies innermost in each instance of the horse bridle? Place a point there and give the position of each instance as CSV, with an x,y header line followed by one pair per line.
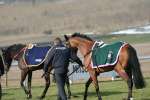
x,y
22,50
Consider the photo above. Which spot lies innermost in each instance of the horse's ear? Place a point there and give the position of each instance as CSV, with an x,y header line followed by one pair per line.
x,y
3,49
66,37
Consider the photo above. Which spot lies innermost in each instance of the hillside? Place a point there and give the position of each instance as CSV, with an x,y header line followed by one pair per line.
x,y
67,16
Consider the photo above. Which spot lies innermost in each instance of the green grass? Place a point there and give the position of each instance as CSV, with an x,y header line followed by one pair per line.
x,y
116,90
139,38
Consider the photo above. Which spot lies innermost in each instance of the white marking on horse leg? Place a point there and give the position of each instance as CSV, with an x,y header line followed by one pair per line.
x,y
131,98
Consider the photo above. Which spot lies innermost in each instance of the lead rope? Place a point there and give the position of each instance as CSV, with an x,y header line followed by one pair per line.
x,y
73,71
15,56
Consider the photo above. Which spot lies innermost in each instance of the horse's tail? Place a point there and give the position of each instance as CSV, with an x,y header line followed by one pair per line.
x,y
135,68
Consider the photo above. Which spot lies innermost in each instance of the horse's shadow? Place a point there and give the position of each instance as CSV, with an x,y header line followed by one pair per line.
x,y
145,98
6,94
104,93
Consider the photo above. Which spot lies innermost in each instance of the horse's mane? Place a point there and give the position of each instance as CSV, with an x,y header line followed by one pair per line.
x,y
81,36
15,47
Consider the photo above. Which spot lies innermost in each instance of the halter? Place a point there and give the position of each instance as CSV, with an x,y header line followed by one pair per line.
x,y
22,50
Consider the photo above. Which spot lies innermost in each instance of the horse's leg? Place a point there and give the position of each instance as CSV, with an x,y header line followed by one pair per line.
x,y
24,72
95,83
68,87
29,84
23,77
119,69
47,84
130,84
86,87
0,89
97,89
0,92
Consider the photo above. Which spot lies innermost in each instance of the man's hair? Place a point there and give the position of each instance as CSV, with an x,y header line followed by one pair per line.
x,y
58,39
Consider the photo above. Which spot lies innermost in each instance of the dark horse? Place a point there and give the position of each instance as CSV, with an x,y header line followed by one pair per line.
x,y
2,68
16,52
127,65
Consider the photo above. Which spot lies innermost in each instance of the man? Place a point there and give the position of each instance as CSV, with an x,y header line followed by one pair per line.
x,y
58,58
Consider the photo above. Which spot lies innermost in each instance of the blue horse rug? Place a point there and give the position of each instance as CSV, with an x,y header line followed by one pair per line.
x,y
106,54
36,55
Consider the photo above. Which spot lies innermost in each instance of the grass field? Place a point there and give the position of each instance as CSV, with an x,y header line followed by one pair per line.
x,y
116,90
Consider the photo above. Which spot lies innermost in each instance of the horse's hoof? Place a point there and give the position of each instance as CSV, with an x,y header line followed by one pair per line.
x,y
99,98
41,97
130,98
124,99
84,99
127,98
29,96
69,97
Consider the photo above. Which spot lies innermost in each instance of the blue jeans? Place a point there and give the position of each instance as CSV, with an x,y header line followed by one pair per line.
x,y
60,81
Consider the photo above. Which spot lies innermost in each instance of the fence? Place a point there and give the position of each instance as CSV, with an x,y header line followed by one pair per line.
x,y
14,75
82,75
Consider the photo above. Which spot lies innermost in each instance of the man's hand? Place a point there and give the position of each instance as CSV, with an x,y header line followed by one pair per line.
x,y
84,68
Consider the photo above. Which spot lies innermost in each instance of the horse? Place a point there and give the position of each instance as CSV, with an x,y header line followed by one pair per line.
x,y
127,65
16,52
2,69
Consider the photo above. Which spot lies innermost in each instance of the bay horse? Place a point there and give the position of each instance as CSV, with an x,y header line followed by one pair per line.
x,y
16,52
126,66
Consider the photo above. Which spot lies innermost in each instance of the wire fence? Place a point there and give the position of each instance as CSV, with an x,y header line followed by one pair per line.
x,y
12,78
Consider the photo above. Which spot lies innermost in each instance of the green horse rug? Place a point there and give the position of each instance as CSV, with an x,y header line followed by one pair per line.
x,y
106,54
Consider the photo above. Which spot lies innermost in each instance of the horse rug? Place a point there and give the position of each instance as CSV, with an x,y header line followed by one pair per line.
x,y
106,54
36,55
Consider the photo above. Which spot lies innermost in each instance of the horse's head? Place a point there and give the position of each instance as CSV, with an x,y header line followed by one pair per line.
x,y
76,39
80,41
9,53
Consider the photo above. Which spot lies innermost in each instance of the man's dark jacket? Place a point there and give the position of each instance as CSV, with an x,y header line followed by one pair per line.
x,y
59,57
